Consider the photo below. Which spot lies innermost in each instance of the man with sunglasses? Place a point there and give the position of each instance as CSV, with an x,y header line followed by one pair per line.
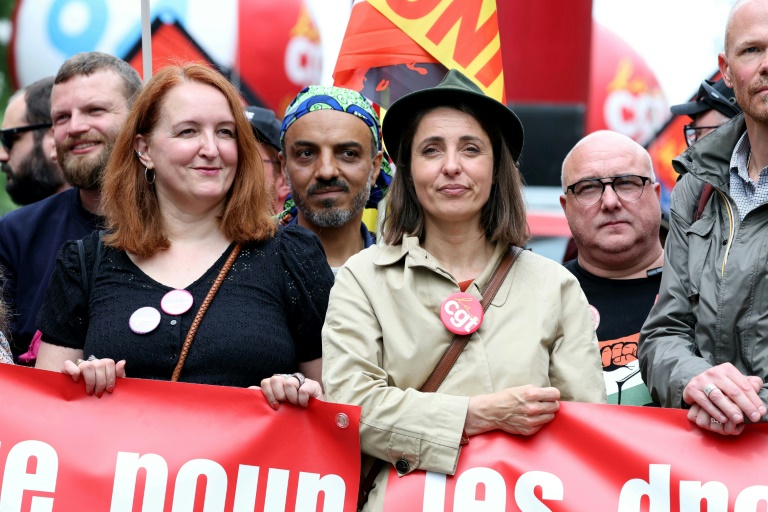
x,y
611,201
704,346
715,105
26,154
90,100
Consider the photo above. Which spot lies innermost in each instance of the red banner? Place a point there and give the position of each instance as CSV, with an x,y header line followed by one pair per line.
x,y
161,446
596,458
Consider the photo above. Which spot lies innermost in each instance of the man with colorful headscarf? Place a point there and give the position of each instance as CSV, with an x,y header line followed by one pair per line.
x,y
332,158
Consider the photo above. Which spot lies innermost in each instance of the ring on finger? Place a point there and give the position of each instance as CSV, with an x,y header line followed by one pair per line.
x,y
91,358
300,377
709,388
715,422
77,363
286,376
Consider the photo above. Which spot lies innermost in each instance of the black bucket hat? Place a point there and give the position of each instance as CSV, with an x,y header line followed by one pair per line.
x,y
711,95
454,89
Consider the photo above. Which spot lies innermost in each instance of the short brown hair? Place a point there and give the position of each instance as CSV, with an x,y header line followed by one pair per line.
x,y
37,97
88,63
503,215
129,203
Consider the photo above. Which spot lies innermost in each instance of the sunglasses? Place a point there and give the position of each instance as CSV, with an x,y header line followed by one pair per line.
x,y
711,96
9,136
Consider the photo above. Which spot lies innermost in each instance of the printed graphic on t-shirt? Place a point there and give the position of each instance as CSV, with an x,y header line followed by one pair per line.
x,y
619,308
621,370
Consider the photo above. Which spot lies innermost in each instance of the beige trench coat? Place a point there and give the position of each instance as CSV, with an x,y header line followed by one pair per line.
x,y
383,337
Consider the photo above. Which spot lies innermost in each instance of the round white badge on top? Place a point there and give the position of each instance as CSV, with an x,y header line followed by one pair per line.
x,y
144,320
176,302
595,315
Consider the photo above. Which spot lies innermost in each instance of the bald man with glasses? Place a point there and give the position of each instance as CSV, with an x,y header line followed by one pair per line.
x,y
611,200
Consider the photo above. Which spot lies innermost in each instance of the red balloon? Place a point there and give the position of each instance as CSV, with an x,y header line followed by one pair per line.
x,y
624,94
279,50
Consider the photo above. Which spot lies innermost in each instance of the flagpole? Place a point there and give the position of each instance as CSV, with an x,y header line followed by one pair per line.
x,y
146,41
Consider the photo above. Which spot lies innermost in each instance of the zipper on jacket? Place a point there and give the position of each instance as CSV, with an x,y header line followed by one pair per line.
x,y
730,232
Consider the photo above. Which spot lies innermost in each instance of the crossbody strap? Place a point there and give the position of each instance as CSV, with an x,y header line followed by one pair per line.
x,y
449,358
460,341
201,312
86,277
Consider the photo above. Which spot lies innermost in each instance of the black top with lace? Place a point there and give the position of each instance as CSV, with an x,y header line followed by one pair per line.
x,y
265,318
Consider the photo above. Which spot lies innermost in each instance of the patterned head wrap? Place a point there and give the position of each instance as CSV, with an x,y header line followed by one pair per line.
x,y
327,97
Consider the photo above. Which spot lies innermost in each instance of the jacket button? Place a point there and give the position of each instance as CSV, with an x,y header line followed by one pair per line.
x,y
402,466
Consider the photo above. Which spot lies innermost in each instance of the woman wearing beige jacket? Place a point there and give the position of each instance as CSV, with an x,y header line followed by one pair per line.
x,y
455,208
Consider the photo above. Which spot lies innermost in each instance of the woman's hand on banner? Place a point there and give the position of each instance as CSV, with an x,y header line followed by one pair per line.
x,y
520,410
99,375
293,388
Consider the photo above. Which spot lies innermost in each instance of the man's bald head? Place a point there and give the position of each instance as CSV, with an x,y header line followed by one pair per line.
x,y
600,142
618,234
729,22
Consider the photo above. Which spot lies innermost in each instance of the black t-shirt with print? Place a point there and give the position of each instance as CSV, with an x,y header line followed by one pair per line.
x,y
621,307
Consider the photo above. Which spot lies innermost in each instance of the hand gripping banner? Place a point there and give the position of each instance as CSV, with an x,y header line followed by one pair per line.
x,y
159,446
598,458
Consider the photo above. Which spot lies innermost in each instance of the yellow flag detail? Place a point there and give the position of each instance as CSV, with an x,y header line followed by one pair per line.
x,y
461,34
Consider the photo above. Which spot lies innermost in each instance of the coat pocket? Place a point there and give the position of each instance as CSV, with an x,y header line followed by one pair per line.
x,y
699,247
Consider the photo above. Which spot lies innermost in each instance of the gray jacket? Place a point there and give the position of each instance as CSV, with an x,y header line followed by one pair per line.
x,y
713,302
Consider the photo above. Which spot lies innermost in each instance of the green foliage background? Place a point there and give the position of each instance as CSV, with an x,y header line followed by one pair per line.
x,y
6,89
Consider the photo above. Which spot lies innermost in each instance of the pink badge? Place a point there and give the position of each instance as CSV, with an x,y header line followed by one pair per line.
x,y
176,302
595,315
461,313
144,320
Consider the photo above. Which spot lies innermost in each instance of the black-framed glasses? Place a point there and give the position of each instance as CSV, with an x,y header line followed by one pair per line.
x,y
629,187
9,136
692,133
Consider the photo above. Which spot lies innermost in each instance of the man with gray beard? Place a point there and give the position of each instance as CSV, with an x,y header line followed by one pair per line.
x,y
90,101
331,157
26,154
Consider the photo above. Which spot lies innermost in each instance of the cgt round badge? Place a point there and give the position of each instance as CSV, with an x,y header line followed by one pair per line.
x,y
461,313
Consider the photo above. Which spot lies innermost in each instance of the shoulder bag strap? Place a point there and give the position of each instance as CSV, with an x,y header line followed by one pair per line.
x,y
86,279
83,269
706,193
460,341
449,358
203,308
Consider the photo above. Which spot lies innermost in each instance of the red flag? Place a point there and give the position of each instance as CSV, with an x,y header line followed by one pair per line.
x,y
380,61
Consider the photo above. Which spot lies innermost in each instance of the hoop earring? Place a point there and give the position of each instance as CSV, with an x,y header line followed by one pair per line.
x,y
147,174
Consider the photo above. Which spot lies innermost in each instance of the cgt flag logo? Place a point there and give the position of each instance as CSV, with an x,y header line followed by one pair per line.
x,y
460,34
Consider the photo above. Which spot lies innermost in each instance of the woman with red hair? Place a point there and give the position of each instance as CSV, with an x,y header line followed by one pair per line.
x,y
190,254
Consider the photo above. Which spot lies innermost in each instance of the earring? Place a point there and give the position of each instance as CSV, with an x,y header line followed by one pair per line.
x,y
147,174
